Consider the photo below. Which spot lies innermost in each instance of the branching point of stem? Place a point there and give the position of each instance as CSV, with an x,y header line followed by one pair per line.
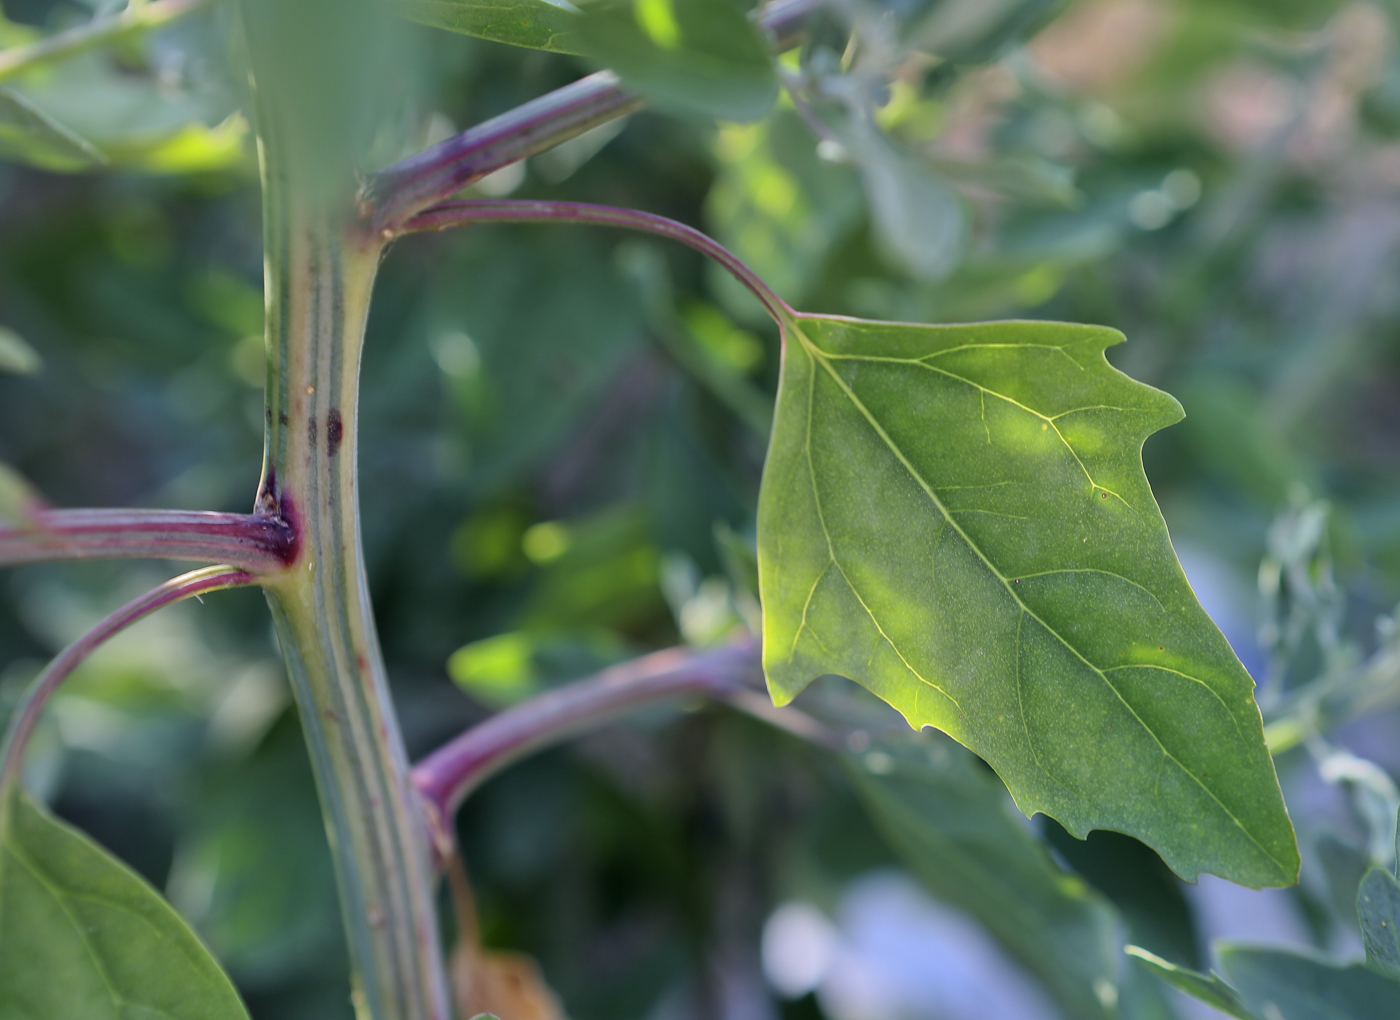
x,y
258,543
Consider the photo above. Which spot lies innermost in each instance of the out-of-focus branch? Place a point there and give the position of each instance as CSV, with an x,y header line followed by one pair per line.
x,y
397,193
26,716
98,32
256,543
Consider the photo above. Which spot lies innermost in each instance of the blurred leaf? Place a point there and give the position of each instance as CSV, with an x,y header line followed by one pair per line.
x,y
521,391
606,576
1208,989
253,872
537,24
29,134
17,356
18,499
83,936
1138,883
506,983
1378,909
957,518
950,822
918,216
699,56
1280,985
779,207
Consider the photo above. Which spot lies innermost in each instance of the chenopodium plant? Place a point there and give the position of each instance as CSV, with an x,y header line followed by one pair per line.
x,y
955,517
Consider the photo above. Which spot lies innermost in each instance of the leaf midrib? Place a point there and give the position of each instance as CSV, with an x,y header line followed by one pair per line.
x,y
818,355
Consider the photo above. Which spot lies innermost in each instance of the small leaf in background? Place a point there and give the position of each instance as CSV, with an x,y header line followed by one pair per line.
x,y
83,936
918,216
30,135
18,499
698,56
537,24
957,518
950,823
1378,909
1207,988
1280,985
508,984
16,356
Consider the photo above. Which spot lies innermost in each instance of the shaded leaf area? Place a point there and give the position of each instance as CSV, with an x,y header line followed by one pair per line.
x,y
698,56
29,134
1276,984
1296,987
129,106
950,823
1378,909
1207,988
537,24
83,936
957,518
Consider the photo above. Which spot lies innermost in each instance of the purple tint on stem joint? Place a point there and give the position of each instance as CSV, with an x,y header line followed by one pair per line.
x,y
254,542
26,715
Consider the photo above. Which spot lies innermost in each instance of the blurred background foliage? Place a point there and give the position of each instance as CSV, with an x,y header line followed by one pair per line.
x,y
563,430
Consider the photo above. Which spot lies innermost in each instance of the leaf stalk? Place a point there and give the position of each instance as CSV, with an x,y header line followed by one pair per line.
x,y
26,716
257,543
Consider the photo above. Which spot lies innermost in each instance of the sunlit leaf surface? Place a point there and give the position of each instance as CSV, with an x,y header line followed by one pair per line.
x,y
537,24
957,518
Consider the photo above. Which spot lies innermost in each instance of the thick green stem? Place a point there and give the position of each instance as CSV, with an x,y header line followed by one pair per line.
x,y
319,274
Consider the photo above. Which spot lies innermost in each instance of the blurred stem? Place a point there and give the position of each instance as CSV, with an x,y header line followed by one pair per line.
x,y
256,543
458,214
319,272
138,17
394,195
26,716
449,774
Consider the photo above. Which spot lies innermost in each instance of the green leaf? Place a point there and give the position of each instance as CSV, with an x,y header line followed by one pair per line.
x,y
957,518
948,819
18,499
537,24
29,134
1209,989
81,935
698,56
1280,985
1378,909
17,356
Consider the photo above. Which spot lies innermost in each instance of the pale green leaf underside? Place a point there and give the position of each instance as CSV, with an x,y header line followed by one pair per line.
x,y
957,518
81,935
1206,987
537,24
1378,910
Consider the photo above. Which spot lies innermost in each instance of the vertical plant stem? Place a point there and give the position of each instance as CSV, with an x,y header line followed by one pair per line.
x,y
319,273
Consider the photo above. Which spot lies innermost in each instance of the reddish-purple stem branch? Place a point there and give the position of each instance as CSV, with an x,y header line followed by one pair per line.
x,y
27,714
458,214
255,543
395,194
446,776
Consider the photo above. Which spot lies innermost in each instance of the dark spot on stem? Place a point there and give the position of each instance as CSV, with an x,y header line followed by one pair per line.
x,y
282,418
335,432
311,429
